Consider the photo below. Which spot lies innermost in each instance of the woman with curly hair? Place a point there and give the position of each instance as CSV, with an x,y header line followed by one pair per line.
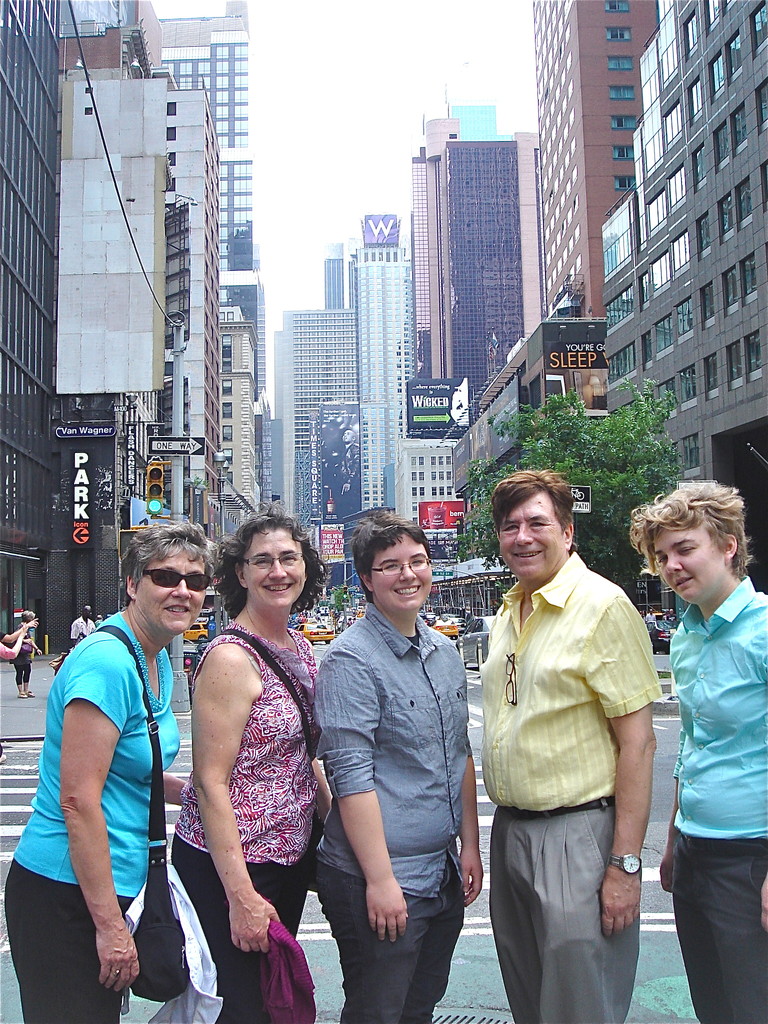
x,y
242,837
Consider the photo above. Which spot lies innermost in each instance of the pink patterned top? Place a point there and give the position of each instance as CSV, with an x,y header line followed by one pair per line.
x,y
272,786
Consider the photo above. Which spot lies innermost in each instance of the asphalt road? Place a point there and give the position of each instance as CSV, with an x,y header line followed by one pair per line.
x,y
475,992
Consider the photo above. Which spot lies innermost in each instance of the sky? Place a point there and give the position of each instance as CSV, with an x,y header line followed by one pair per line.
x,y
339,94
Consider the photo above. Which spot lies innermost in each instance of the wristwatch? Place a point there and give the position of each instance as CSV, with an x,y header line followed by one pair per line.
x,y
628,862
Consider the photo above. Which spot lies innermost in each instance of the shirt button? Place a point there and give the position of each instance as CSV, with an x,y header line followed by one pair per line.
x,y
699,746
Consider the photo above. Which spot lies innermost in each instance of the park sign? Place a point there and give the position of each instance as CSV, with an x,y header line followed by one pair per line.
x,y
176,445
582,499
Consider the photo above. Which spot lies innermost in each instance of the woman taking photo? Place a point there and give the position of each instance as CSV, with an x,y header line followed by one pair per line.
x,y
246,816
83,856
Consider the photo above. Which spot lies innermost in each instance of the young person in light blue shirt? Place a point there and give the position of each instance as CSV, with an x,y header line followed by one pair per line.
x,y
716,861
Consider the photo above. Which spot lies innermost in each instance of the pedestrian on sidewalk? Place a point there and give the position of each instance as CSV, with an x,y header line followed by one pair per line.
x,y
392,706
716,860
9,649
23,660
568,690
83,626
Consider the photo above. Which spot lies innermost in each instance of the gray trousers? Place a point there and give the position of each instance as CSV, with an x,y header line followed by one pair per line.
x,y
557,966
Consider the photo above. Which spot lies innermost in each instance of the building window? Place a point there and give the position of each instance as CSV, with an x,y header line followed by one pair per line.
x,y
739,126
622,363
661,273
730,287
725,214
759,21
673,124
623,182
743,201
226,387
761,103
713,11
691,34
684,316
688,383
748,276
663,333
621,35
703,234
621,92
620,307
699,165
677,187
754,352
619,63
170,109
707,297
226,410
710,373
722,144
646,342
170,134
734,364
617,6
644,289
695,99
691,458
226,433
657,211
623,122
716,75
734,55
623,153
668,386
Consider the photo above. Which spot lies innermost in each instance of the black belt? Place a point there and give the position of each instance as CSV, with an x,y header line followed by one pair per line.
x,y
590,805
726,847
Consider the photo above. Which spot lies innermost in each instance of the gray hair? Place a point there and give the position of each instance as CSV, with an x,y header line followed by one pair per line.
x,y
161,541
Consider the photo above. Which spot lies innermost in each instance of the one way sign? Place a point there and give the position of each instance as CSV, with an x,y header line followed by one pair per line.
x,y
176,445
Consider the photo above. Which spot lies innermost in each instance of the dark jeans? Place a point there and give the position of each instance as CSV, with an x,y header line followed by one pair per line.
x,y
716,892
396,982
53,947
238,973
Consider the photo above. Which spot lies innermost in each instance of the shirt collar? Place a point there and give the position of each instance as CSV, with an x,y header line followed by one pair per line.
x,y
399,644
731,607
559,588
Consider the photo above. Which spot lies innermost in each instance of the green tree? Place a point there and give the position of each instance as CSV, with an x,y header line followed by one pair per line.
x,y
627,458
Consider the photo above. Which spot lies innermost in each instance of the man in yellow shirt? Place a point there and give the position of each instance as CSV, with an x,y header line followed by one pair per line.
x,y
567,757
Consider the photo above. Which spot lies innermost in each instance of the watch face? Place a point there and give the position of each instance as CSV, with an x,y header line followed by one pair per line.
x,y
631,863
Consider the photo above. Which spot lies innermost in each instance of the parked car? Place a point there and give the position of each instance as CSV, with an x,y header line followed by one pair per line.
x,y
318,632
473,642
660,633
197,631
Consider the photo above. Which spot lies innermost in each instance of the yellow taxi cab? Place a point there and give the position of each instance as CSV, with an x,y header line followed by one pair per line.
x,y
197,631
447,627
318,632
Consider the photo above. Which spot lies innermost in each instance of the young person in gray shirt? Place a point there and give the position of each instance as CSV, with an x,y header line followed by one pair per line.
x,y
392,705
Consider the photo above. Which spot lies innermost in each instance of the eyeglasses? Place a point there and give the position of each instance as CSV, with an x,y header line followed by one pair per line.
x,y
169,578
417,564
510,690
288,560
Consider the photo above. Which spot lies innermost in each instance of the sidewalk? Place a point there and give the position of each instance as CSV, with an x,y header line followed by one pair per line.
x,y
24,718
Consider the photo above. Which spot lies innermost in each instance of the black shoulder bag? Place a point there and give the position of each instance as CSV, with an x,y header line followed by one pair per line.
x,y
159,937
310,857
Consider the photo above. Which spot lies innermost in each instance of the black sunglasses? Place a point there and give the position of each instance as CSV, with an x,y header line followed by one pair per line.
x,y
170,578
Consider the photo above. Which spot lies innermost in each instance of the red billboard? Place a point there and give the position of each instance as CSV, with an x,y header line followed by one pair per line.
x,y
440,515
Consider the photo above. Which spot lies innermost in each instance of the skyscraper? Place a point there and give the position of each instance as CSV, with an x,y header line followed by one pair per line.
x,y
382,272
334,276
588,82
28,84
477,270
315,364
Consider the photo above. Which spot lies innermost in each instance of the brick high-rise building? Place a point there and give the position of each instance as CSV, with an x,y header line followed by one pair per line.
x,y
588,82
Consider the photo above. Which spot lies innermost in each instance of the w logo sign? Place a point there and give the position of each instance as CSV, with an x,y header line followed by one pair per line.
x,y
381,229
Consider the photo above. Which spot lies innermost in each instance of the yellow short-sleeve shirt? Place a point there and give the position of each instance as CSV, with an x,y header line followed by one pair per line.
x,y
583,656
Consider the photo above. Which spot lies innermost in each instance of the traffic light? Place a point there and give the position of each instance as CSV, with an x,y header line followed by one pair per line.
x,y
155,488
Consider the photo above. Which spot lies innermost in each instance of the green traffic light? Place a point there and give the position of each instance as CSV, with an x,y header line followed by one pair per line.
x,y
154,506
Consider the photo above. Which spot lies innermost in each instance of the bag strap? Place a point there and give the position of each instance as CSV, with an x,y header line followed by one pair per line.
x,y
158,840
282,674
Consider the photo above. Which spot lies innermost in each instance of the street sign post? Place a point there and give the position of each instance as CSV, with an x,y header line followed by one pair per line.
x,y
176,445
582,499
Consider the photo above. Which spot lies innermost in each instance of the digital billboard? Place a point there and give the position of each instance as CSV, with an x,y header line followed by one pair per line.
x,y
340,462
579,364
437,406
440,515
381,229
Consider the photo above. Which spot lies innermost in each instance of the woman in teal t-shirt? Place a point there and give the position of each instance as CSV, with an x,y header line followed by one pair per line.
x,y
82,857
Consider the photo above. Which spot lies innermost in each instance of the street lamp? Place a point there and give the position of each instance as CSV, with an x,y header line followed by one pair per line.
x,y
222,468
